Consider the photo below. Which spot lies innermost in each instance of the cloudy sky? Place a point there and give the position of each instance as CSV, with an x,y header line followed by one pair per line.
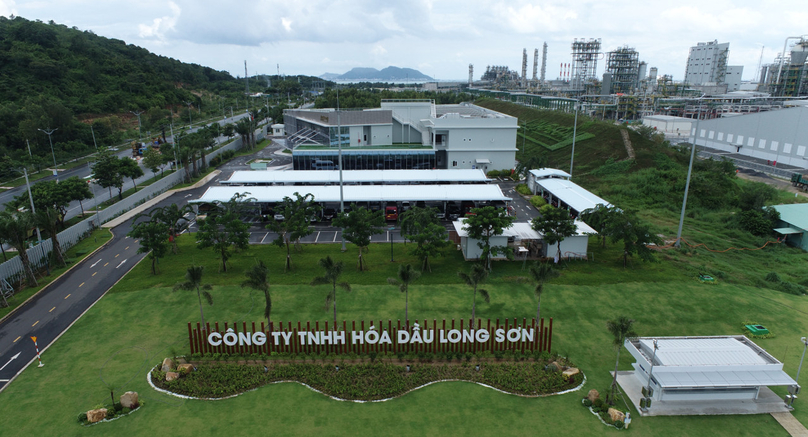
x,y
438,37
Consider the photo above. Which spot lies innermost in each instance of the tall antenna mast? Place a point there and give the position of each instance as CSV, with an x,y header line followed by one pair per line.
x,y
246,78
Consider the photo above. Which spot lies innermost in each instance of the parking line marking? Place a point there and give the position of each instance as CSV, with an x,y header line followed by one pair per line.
x,y
117,255
106,264
15,340
51,310
35,323
94,273
265,236
67,296
127,248
335,238
81,284
317,237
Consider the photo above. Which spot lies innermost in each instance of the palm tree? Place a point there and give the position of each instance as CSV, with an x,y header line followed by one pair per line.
x,y
473,279
48,220
541,273
333,270
193,281
14,228
257,279
406,276
621,329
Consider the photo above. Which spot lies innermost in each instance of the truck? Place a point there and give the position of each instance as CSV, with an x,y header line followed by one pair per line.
x,y
391,213
800,181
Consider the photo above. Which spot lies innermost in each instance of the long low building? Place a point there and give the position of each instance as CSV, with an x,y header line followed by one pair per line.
x,y
360,193
365,177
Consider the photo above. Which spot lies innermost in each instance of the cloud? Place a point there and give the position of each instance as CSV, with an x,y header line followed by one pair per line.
x,y
7,8
378,50
160,27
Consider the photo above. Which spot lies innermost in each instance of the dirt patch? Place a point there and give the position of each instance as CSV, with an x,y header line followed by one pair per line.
x,y
780,184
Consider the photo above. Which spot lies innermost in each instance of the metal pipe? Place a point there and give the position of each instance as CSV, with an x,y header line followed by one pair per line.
x,y
687,184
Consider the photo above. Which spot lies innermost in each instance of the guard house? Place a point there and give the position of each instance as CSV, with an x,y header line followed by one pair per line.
x,y
523,235
793,224
704,375
575,246
556,188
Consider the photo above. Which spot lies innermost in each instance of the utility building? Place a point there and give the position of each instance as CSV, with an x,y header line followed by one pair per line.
x,y
707,64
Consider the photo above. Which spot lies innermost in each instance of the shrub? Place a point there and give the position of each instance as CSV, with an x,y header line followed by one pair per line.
x,y
493,174
773,277
538,201
598,403
587,402
618,424
110,413
791,288
82,417
125,410
523,189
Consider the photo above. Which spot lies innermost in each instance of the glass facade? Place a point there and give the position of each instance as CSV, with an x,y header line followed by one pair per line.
x,y
328,159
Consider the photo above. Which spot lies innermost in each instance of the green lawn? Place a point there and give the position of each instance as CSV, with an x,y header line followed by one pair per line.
x,y
141,321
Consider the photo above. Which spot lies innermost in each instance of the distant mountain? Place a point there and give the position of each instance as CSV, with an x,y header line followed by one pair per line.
x,y
372,74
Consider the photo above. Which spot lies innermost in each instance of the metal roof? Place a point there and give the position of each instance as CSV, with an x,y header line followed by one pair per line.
x,y
325,177
523,230
543,173
572,194
795,215
359,193
708,362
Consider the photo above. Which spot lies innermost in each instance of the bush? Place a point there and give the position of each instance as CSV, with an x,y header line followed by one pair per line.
x,y
111,413
523,189
587,402
493,174
82,417
618,424
125,410
598,403
792,288
773,277
538,201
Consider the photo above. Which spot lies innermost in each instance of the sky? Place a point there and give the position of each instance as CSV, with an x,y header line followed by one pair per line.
x,y
440,38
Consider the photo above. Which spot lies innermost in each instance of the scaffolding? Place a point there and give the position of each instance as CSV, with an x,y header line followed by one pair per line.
x,y
788,77
623,64
584,61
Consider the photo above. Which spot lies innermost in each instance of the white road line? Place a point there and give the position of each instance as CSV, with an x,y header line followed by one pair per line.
x,y
265,236
122,262
335,238
95,263
317,237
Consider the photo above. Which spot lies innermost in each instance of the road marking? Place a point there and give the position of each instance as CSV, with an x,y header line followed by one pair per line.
x,y
51,310
15,340
95,263
81,284
117,255
106,264
135,242
318,236
265,236
127,248
335,238
94,273
35,323
67,296
121,263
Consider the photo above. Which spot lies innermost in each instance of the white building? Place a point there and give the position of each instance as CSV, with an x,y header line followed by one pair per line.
x,y
707,64
703,375
780,135
556,188
523,234
668,124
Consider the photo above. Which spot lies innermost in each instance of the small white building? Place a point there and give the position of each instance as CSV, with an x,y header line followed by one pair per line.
x,y
556,188
575,246
703,375
523,235
668,124
278,130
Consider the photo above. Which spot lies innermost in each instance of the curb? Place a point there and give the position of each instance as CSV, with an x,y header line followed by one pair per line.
x,y
7,316
157,199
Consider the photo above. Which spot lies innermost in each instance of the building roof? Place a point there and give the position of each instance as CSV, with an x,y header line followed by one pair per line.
x,y
523,230
719,361
542,173
796,215
667,118
325,177
359,193
572,194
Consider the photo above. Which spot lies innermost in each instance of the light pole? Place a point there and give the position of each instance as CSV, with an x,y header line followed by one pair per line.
x,y
33,211
687,183
137,114
341,196
190,120
574,133
390,230
794,390
55,166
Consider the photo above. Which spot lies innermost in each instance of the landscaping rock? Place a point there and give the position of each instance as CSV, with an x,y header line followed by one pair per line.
x,y
593,395
96,415
616,415
570,372
129,400
181,360
168,364
170,376
185,368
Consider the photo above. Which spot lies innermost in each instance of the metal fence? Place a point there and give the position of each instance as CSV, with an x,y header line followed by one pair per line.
x,y
11,271
763,168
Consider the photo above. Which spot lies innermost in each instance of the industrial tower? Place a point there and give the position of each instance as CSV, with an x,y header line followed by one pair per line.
x,y
535,64
471,74
584,61
543,62
623,64
524,68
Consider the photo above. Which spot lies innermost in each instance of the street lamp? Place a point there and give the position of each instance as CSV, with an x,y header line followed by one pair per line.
x,y
574,133
33,211
794,390
55,166
687,183
190,120
137,114
391,229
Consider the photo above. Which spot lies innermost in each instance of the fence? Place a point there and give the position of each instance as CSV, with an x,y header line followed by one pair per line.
x,y
372,337
11,271
763,168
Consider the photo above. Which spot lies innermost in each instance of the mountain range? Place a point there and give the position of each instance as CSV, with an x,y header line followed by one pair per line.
x,y
372,74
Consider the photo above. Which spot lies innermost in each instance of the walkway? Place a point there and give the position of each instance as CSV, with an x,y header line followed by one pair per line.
x,y
792,425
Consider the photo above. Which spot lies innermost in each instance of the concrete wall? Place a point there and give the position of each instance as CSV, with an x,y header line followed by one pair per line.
x,y
503,160
571,247
471,250
780,135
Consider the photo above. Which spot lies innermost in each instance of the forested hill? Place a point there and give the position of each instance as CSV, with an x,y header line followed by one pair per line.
x,y
55,77
93,74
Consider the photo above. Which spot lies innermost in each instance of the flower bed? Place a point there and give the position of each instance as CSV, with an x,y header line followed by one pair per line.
x,y
367,381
